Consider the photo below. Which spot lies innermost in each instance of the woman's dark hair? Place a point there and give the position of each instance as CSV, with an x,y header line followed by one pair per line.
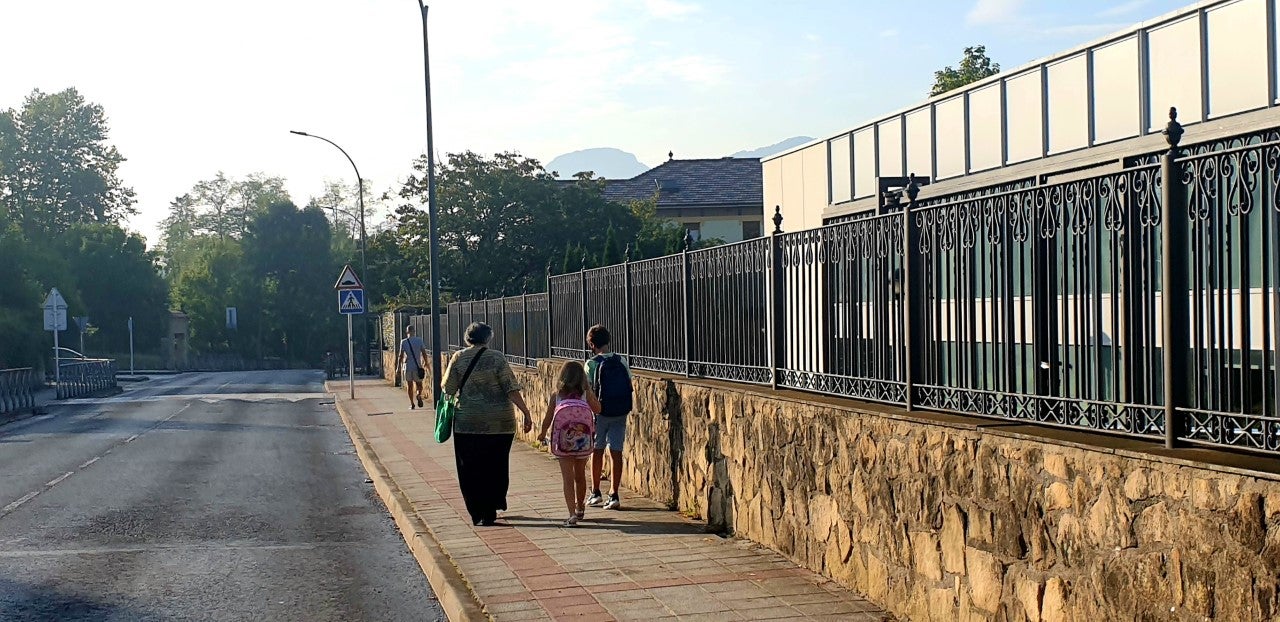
x,y
598,336
478,334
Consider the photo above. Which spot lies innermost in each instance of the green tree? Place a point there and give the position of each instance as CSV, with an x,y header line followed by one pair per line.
x,y
610,254
210,279
502,220
117,279
973,67
58,167
286,252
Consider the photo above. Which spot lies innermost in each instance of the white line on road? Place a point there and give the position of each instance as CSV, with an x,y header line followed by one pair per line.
x,y
55,481
61,478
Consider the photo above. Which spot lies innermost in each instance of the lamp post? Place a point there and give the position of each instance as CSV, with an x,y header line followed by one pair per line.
x,y
364,266
431,216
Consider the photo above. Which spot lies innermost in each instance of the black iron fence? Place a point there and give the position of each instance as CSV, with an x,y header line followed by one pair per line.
x,y
1035,302
17,389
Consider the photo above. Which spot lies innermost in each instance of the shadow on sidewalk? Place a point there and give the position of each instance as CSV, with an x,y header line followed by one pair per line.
x,y
619,524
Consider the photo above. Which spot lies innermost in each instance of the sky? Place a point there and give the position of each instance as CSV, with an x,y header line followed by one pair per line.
x,y
193,88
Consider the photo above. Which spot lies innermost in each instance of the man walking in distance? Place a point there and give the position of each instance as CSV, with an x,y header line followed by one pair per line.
x,y
610,378
412,362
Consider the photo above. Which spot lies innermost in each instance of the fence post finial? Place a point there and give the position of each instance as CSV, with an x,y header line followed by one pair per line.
x,y
777,219
1173,131
913,189
626,253
688,239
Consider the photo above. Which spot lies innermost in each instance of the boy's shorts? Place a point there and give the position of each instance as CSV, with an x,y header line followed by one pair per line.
x,y
611,431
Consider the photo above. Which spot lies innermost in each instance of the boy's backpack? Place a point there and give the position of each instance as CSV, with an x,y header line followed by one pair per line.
x,y
573,429
613,386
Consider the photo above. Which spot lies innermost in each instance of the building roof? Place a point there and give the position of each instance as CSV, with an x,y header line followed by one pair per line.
x,y
694,183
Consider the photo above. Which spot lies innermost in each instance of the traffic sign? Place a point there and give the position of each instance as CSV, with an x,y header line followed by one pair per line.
x,y
55,311
351,301
348,280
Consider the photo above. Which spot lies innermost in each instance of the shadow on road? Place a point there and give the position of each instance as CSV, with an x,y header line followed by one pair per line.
x,y
41,603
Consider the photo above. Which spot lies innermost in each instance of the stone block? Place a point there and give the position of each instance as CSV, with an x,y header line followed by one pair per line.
x,y
1110,523
953,539
877,578
1136,487
927,559
1053,605
986,579
1029,592
942,604
1057,497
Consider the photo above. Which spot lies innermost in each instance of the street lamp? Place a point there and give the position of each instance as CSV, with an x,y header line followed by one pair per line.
x,y
364,266
431,216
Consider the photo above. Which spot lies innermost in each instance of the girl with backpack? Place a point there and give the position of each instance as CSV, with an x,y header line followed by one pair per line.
x,y
571,420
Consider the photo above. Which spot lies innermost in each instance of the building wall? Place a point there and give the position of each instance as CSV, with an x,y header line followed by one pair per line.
x,y
1210,60
798,184
726,228
938,518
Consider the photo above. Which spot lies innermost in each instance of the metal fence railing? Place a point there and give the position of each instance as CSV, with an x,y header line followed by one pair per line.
x,y
1037,302
17,389
82,377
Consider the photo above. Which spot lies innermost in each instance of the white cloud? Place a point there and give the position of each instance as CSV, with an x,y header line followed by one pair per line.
x,y
889,33
1123,8
993,11
1080,31
670,9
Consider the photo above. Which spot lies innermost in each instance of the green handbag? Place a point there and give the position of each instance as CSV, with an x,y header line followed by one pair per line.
x,y
448,406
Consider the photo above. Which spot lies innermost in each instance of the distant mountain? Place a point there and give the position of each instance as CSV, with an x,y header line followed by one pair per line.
x,y
605,162
794,141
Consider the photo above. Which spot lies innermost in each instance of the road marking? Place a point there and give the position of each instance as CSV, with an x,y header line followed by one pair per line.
x,y
232,546
61,478
57,480
204,397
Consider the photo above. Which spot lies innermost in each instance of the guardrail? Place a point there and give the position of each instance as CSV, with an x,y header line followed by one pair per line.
x,y
16,389
79,378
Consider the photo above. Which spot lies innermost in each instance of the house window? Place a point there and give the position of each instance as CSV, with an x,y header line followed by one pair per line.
x,y
694,229
750,229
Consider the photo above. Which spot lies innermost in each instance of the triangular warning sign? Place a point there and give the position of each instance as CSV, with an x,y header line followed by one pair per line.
x,y
351,302
348,279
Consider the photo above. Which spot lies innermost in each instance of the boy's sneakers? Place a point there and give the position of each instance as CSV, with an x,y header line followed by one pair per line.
x,y
614,503
595,500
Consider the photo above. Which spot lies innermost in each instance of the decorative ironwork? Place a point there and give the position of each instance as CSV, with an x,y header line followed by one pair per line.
x,y
1024,302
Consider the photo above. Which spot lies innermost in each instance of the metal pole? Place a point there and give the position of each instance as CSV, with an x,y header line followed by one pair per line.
x,y
777,282
57,356
913,323
364,266
131,372
351,363
431,215
1173,295
688,306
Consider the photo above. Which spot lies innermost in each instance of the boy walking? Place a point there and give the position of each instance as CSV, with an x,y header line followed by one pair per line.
x,y
610,378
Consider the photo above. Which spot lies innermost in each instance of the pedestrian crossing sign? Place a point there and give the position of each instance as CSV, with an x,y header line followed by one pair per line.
x,y
351,301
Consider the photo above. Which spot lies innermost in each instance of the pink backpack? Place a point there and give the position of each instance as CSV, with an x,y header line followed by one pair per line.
x,y
573,429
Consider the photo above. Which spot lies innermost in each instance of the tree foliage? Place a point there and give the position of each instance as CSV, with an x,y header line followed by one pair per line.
x,y
61,209
973,67
58,167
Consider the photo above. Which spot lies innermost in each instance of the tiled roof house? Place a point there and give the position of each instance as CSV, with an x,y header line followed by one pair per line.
x,y
720,198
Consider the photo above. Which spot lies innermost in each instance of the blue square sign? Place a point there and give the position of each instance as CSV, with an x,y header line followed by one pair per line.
x,y
351,301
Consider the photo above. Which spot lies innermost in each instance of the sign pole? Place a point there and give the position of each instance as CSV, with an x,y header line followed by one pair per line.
x,y
351,360
57,361
131,372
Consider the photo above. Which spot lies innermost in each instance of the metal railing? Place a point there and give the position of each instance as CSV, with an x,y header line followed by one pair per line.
x,y
83,377
1041,303
17,389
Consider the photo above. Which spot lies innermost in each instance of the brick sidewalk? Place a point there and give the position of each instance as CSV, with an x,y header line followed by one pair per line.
x,y
643,562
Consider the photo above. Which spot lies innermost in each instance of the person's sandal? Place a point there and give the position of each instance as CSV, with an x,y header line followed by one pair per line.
x,y
572,521
582,512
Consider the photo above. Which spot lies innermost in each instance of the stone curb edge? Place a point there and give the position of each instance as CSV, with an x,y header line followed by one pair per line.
x,y
455,596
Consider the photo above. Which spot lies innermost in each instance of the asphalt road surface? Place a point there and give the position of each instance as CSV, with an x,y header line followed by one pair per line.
x,y
230,496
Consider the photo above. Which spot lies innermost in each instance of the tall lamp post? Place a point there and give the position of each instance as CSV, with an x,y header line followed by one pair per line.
x,y
364,266
431,215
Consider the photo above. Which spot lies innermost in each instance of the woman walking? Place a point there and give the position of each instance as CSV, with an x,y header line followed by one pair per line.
x,y
485,424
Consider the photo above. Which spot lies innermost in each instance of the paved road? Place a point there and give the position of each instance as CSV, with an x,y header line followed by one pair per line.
x,y
233,496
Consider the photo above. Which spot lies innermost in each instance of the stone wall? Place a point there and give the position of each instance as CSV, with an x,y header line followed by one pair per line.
x,y
937,517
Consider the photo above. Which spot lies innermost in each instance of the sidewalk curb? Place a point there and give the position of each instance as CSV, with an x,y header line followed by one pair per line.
x,y
451,588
